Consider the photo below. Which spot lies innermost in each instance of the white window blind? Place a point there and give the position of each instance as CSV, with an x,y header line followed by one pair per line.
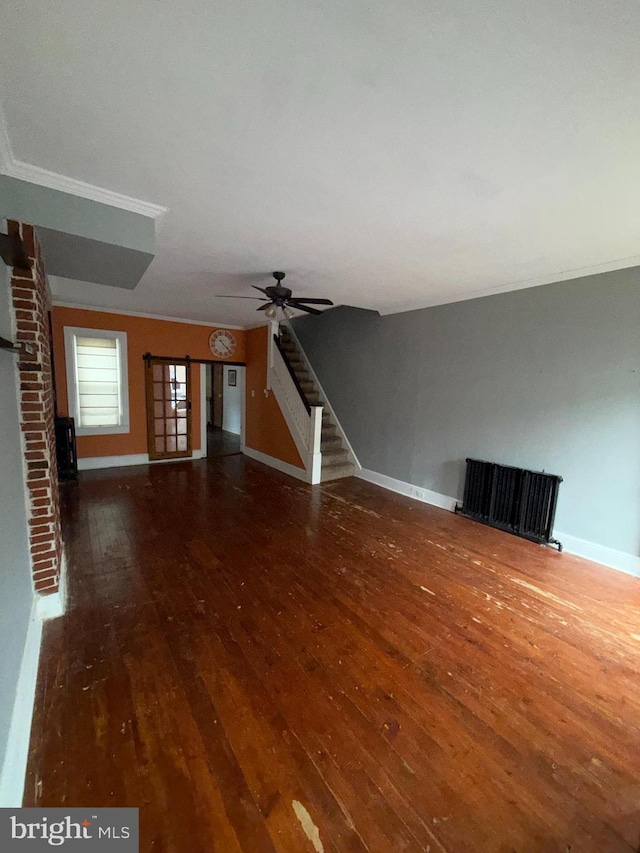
x,y
98,382
96,369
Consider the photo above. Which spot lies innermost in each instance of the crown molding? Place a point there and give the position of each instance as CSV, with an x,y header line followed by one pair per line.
x,y
57,303
54,181
14,168
617,265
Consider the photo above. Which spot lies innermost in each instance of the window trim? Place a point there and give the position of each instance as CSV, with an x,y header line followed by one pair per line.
x,y
70,334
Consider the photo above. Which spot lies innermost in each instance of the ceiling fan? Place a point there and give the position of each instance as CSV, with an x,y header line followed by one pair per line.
x,y
278,296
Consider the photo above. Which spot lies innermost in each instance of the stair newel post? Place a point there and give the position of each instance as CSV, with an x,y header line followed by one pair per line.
x,y
315,437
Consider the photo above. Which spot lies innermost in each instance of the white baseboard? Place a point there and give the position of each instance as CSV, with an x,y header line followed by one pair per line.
x,y
416,492
91,463
14,765
278,464
54,605
609,557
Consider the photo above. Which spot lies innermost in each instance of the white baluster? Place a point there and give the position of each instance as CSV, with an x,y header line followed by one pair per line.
x,y
306,428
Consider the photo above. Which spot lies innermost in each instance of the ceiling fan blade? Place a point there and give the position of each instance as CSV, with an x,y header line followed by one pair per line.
x,y
314,301
255,286
293,304
229,296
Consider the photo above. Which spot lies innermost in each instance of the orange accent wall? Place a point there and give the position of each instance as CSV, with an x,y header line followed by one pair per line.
x,y
159,337
266,429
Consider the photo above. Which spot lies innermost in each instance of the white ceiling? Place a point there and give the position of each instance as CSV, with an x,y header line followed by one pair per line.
x,y
388,155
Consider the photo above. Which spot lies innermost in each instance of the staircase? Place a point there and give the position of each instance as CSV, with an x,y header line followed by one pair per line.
x,y
335,458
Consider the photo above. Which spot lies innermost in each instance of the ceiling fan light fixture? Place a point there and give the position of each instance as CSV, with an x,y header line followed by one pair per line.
x,y
277,296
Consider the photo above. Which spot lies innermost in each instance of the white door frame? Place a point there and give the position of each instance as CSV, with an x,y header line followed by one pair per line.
x,y
203,410
203,406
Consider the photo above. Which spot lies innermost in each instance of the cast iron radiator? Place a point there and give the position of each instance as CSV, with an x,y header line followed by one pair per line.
x,y
66,449
512,499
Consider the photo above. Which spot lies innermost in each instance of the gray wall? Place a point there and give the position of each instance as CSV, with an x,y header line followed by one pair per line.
x,y
544,378
82,239
72,214
15,579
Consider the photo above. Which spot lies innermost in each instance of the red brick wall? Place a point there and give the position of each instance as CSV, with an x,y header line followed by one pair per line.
x,y
31,303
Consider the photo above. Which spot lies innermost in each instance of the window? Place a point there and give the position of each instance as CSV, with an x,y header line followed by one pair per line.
x,y
97,380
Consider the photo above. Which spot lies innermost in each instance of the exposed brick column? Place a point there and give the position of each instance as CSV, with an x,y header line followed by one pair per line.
x,y
31,303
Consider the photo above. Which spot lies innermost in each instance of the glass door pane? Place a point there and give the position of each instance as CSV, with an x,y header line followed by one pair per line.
x,y
168,409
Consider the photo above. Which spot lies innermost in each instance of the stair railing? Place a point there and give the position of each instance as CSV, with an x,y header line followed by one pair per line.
x,y
304,420
328,409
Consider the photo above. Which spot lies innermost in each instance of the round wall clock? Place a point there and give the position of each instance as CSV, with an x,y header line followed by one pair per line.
x,y
222,343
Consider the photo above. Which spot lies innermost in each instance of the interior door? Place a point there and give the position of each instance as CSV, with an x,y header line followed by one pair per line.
x,y
217,388
168,408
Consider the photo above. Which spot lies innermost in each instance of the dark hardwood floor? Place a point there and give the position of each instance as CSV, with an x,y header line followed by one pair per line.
x,y
264,666
220,442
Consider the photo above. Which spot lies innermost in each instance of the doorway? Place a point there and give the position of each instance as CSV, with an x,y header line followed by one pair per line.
x,y
224,408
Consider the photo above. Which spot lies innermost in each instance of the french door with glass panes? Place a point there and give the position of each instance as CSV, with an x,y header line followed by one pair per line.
x,y
168,408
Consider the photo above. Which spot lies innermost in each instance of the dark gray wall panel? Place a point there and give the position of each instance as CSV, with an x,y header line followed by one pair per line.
x,y
71,214
90,260
545,378
82,239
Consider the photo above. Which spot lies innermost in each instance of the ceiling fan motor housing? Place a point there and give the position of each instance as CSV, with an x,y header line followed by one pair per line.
x,y
277,292
281,297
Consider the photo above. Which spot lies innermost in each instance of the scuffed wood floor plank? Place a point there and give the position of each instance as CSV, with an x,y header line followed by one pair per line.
x,y
263,666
